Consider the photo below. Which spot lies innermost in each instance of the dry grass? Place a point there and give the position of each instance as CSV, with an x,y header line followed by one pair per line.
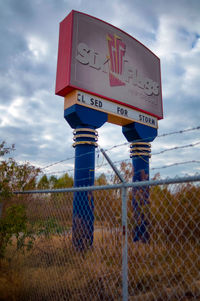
x,y
53,270
156,269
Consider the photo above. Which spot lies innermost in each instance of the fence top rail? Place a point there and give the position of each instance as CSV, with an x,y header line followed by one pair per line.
x,y
167,181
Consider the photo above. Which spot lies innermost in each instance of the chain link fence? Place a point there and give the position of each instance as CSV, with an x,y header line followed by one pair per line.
x,y
168,266
148,251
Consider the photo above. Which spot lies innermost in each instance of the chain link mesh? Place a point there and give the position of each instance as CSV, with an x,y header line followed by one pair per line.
x,y
166,266
53,269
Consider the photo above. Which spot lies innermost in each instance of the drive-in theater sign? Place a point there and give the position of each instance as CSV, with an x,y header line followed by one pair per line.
x,y
110,71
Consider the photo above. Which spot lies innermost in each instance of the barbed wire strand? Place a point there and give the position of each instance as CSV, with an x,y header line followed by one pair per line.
x,y
159,136
120,161
123,144
176,164
153,154
176,148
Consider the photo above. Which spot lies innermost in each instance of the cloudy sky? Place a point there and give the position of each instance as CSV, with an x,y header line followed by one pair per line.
x,y
31,116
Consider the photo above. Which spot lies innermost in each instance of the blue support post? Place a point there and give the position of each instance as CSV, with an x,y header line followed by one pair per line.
x,y
84,121
83,204
140,151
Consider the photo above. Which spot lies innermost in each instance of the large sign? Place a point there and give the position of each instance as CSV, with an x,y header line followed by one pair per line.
x,y
97,58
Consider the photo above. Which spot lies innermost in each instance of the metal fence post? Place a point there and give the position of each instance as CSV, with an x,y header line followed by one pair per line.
x,y
124,228
124,246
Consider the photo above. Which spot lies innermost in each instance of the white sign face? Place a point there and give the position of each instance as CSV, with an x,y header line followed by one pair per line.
x,y
126,114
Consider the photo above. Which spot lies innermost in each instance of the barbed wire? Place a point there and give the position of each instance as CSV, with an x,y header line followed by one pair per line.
x,y
59,172
126,143
159,136
180,131
176,147
126,160
176,164
58,162
160,167
67,159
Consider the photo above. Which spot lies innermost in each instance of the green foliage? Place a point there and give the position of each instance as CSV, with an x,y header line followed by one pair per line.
x,y
14,176
64,181
14,224
13,219
48,227
53,182
43,183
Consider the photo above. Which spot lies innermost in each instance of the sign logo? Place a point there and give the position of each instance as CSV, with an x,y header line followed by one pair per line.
x,y
120,72
117,51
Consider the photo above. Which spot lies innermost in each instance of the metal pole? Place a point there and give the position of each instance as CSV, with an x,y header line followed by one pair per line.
x,y
124,228
124,245
113,166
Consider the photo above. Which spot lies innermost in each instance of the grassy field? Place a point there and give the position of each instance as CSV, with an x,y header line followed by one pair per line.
x,y
53,270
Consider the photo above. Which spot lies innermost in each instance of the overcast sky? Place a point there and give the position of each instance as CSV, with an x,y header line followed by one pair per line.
x,y
31,116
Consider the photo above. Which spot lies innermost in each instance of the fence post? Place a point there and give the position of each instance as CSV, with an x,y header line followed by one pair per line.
x,y
124,245
124,229
1,209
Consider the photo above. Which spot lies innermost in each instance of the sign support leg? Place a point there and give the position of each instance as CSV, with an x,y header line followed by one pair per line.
x,y
140,135
83,202
84,121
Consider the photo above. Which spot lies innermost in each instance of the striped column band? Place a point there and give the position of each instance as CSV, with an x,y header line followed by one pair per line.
x,y
140,149
85,136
